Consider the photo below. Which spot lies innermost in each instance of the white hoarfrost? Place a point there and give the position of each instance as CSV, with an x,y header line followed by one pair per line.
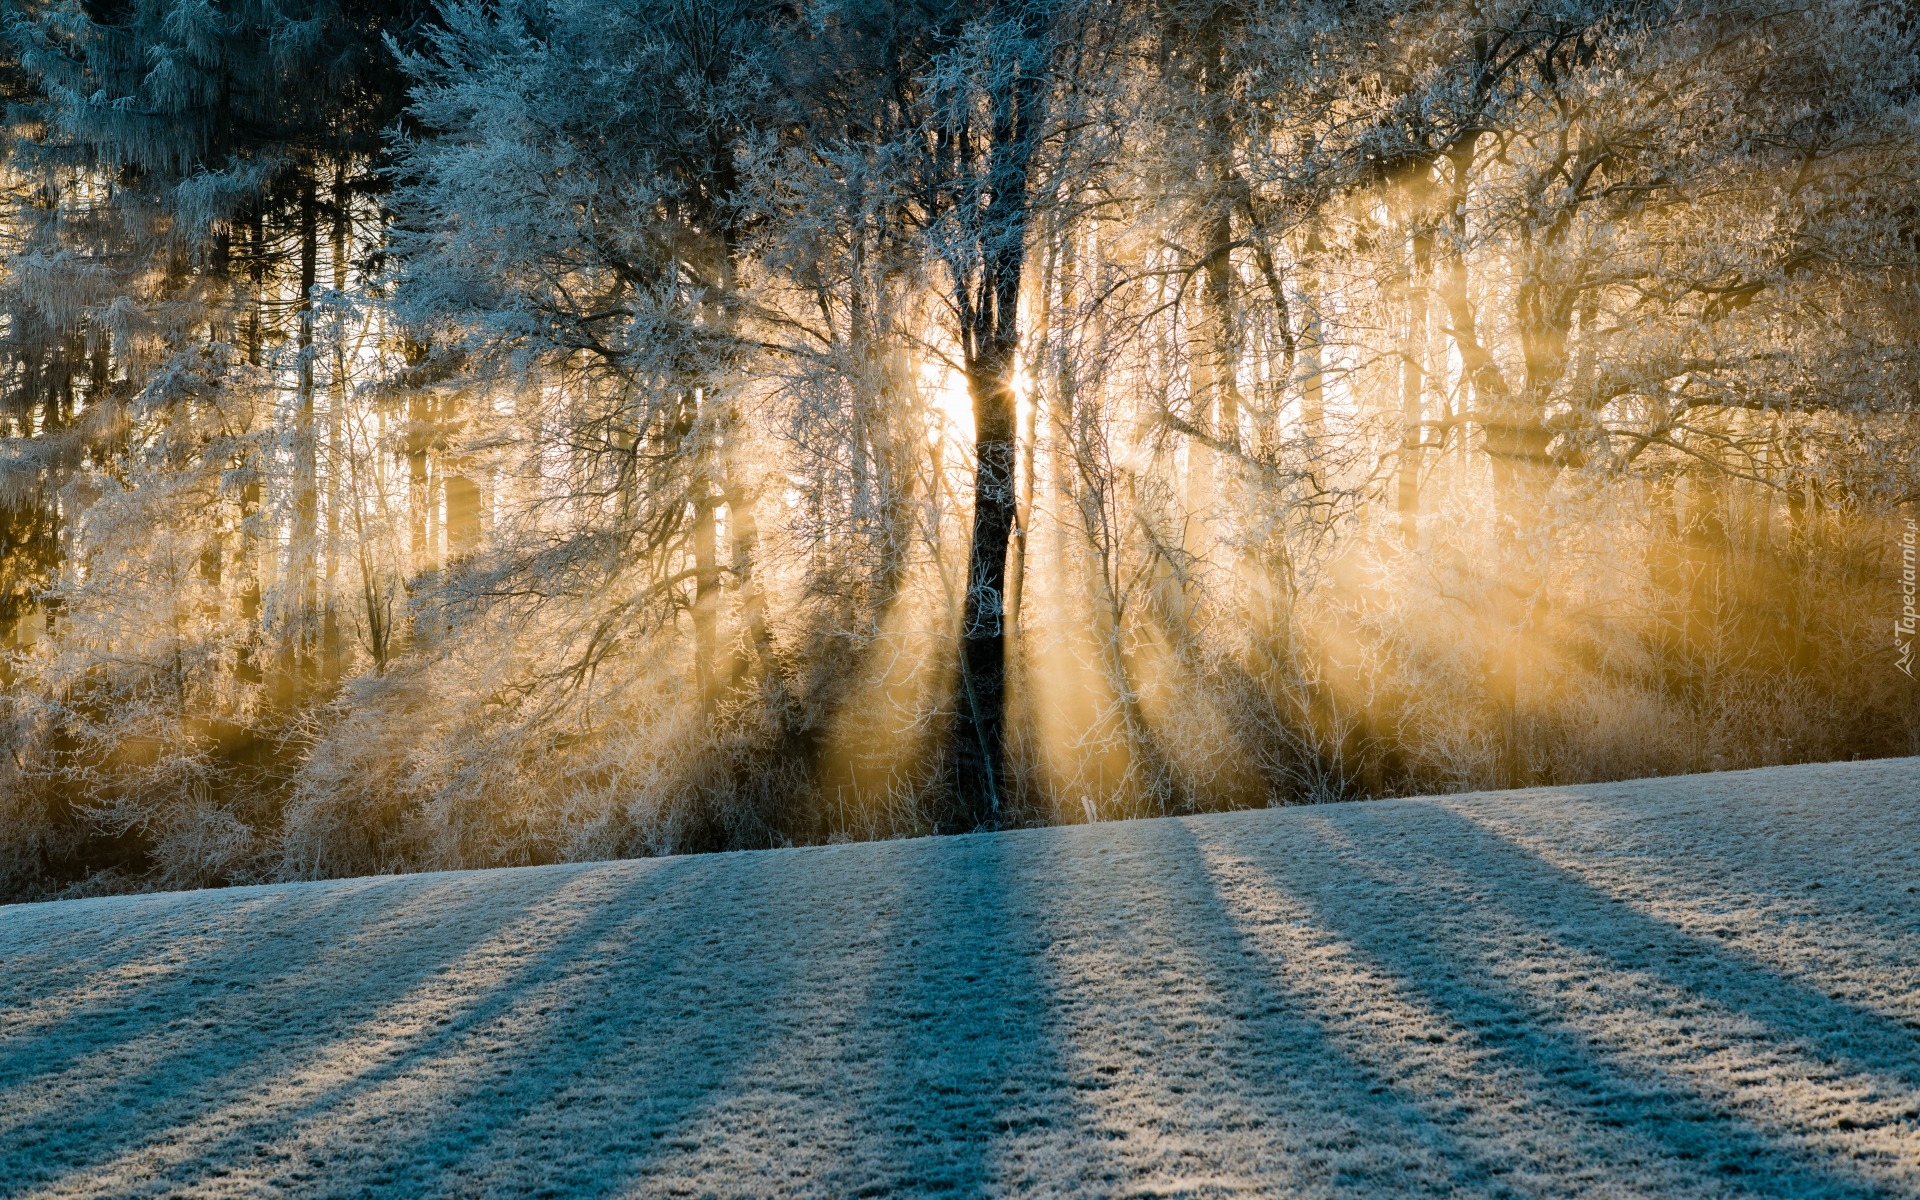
x,y
1685,987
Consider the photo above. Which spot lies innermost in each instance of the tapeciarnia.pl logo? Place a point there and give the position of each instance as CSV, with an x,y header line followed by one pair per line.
x,y
1903,629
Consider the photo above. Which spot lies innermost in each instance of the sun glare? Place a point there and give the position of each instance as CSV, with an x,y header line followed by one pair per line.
x,y
953,404
947,388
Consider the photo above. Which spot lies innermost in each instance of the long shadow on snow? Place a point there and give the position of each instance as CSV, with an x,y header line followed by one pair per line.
x,y
55,949
958,1024
936,1067
1602,925
642,918
976,1031
674,995
1269,1031
1454,976
247,1042
102,1016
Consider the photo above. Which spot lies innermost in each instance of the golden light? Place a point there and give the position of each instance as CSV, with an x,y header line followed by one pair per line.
x,y
951,401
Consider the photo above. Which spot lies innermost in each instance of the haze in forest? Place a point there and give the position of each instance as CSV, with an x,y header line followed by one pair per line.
x,y
472,434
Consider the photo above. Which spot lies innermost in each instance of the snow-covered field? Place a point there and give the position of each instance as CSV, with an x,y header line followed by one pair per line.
x,y
1687,987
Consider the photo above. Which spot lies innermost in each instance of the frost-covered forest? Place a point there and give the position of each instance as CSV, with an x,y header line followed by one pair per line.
x,y
487,433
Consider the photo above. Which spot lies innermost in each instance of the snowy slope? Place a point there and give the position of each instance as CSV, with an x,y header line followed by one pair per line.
x,y
1688,987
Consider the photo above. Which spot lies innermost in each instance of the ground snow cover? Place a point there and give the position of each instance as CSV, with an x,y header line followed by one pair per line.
x,y
1688,987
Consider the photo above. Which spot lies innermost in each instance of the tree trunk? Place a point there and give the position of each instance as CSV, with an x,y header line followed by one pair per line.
x,y
333,653
1413,375
1313,380
246,667
304,542
982,750
1214,357
990,326
1023,510
706,583
743,531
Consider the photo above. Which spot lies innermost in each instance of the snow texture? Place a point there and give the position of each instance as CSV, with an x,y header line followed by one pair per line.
x,y
1686,987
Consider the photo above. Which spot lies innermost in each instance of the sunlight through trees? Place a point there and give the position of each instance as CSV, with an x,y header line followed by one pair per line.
x,y
469,434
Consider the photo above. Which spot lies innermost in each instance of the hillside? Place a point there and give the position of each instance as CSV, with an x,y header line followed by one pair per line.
x,y
1697,986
